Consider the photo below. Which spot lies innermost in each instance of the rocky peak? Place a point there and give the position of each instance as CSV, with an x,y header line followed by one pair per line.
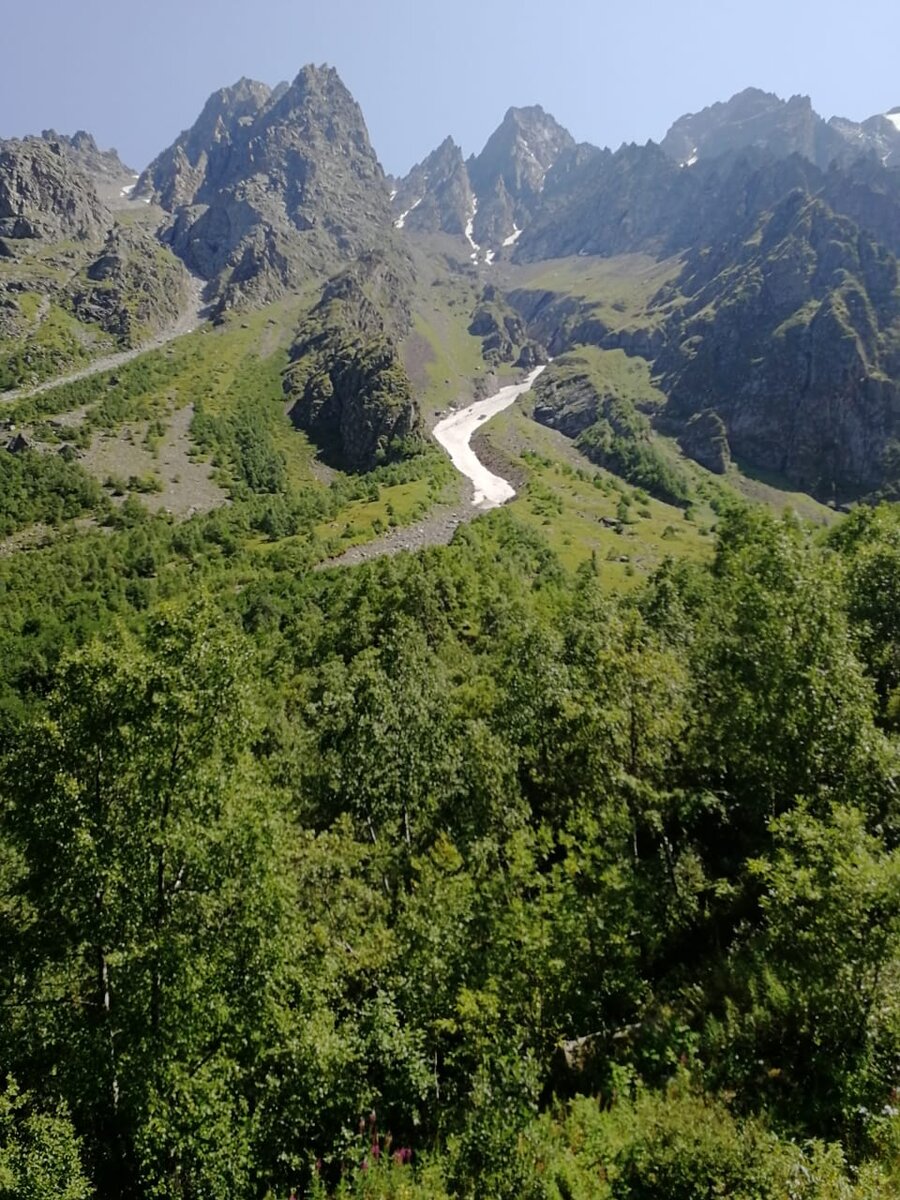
x,y
878,136
754,118
268,187
44,195
176,176
520,152
104,167
508,175
436,195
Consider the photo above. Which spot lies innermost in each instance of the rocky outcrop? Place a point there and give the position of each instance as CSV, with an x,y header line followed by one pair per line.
x,y
793,338
43,194
436,196
705,439
503,333
349,388
103,167
576,398
754,118
134,289
270,188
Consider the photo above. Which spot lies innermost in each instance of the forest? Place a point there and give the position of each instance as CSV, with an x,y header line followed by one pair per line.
x,y
456,874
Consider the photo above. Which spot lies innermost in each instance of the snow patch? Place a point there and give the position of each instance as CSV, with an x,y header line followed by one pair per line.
x,y
455,432
401,220
126,191
470,231
393,194
689,162
514,236
894,118
490,256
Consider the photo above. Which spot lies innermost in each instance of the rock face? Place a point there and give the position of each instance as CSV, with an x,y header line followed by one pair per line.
x,y
270,188
878,136
349,387
134,288
792,336
577,398
199,157
705,439
436,196
754,118
103,167
504,337
508,175
491,197
43,194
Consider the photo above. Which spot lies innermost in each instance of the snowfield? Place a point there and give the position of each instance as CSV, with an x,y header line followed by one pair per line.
x,y
455,432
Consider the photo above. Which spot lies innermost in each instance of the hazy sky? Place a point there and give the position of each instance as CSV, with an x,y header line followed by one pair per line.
x,y
136,72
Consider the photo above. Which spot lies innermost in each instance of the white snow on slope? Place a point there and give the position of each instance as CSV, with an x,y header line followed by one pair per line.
x,y
894,118
490,256
393,194
401,220
470,231
126,191
514,236
690,161
455,432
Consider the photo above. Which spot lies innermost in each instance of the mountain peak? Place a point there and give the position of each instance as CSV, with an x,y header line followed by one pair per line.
x,y
268,187
751,118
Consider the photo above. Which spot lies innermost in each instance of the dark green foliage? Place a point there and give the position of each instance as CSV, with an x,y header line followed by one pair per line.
x,y
40,1156
443,837
347,383
43,487
619,441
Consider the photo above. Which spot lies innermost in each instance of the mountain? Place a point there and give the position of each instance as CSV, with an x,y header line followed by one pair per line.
x,y
773,339
436,195
489,198
44,195
103,167
791,336
754,118
270,188
199,157
508,175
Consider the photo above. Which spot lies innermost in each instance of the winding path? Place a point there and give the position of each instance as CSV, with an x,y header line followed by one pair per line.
x,y
187,322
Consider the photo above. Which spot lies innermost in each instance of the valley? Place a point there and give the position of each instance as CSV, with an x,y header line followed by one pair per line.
x,y
450,627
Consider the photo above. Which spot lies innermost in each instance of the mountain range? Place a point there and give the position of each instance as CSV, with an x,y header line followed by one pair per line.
x,y
772,335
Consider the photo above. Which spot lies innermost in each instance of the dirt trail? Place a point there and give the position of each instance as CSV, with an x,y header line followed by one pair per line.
x,y
191,317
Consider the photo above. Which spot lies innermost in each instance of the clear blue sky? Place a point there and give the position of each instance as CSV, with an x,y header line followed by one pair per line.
x,y
136,72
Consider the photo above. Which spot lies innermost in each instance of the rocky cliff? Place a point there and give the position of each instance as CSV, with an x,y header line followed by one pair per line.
x,y
791,336
270,188
44,195
436,195
349,388
133,289
754,118
103,167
